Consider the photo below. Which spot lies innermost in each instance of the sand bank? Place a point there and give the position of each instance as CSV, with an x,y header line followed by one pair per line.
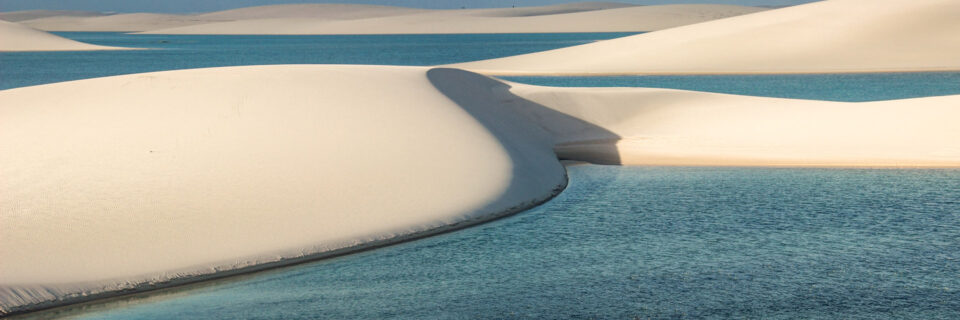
x,y
16,37
674,127
140,181
523,20
189,175
826,36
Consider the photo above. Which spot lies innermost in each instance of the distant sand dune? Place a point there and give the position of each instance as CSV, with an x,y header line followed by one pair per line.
x,y
827,36
116,23
15,16
371,19
544,10
135,22
16,37
317,11
526,20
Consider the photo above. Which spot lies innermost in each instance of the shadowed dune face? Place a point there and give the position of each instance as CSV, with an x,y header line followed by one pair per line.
x,y
503,111
644,126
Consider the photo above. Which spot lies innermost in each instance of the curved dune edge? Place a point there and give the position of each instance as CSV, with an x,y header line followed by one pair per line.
x,y
16,37
245,168
189,175
831,36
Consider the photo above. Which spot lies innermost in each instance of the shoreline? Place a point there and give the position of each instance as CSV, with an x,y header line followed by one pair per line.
x,y
500,73
37,310
67,305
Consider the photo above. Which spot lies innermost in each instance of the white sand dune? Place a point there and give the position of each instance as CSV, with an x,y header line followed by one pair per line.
x,y
326,11
135,22
371,19
15,16
675,127
137,182
129,22
186,175
546,10
645,126
827,36
16,37
582,18
134,181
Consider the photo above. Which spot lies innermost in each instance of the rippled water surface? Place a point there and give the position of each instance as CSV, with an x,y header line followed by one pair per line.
x,y
648,242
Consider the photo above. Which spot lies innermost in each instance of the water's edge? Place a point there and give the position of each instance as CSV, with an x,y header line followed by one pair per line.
x,y
38,309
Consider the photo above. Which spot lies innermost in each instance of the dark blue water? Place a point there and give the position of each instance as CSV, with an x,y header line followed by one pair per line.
x,y
18,69
834,87
644,242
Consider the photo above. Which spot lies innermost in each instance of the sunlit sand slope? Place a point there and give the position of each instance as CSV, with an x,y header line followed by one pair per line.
x,y
139,181
827,36
14,16
675,127
16,37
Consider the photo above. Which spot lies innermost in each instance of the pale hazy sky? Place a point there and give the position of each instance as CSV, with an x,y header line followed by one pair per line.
x,y
184,6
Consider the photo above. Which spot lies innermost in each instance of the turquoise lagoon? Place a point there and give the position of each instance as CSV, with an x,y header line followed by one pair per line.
x,y
641,242
620,242
170,52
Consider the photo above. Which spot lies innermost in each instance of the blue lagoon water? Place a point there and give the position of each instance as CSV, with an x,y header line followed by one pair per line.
x,y
171,52
18,69
644,242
